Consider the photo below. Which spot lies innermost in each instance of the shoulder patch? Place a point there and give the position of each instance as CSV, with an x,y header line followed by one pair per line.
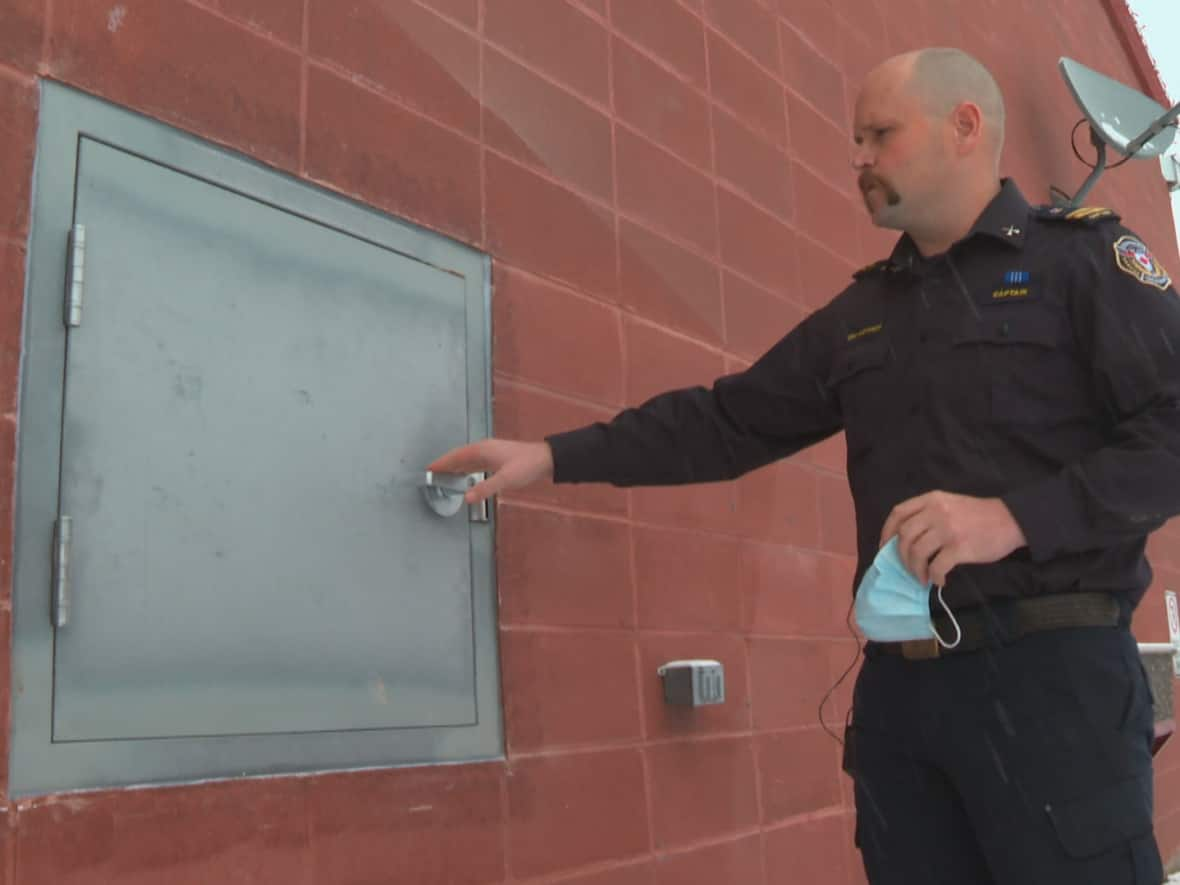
x,y
1135,259
873,268
1086,214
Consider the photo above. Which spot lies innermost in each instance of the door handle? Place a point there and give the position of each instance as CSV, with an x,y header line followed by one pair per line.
x,y
444,493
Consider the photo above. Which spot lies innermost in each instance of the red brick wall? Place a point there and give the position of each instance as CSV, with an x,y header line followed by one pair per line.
x,y
664,187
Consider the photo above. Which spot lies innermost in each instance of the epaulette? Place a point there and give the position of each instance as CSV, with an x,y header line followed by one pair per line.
x,y
1085,215
872,268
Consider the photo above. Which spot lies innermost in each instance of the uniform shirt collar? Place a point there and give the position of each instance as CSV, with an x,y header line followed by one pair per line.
x,y
1004,219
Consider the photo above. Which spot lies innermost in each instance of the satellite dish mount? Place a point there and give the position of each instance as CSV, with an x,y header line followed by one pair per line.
x,y
1120,118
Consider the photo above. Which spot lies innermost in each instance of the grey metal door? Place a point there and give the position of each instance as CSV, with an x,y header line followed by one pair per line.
x,y
249,401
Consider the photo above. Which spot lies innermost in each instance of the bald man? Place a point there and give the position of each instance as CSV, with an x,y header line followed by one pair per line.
x,y
1008,381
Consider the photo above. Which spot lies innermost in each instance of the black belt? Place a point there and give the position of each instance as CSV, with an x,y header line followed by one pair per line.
x,y
1005,621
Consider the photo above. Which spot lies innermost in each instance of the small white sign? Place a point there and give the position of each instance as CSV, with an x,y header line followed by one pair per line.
x,y
1173,627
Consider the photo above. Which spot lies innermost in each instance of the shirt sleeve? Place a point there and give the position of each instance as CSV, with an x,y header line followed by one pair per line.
x,y
1126,316
745,420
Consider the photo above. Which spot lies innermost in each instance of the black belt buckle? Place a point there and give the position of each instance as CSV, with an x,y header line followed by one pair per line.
x,y
920,649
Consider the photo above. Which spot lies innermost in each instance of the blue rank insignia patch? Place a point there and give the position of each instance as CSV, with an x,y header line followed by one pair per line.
x,y
1015,277
1134,258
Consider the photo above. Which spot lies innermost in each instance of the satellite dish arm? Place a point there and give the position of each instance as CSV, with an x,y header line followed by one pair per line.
x,y
1153,130
1095,173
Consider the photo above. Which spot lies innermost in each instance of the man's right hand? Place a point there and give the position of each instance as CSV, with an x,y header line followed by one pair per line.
x,y
509,465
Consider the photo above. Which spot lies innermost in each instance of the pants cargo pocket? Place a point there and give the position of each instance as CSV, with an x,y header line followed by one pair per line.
x,y
1107,836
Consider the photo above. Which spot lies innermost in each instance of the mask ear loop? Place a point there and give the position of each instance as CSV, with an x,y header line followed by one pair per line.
x,y
949,614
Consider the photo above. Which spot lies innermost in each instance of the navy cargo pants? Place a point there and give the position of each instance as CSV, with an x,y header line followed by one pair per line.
x,y
1012,765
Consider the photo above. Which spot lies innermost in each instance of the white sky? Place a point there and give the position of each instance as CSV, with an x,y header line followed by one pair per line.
x,y
1159,22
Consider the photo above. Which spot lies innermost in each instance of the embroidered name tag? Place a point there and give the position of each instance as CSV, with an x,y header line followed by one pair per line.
x,y
1011,293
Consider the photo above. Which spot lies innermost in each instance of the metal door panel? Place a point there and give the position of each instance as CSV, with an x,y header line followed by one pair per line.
x,y
248,403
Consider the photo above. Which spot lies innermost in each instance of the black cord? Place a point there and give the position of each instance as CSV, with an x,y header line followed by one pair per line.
x,y
843,676
1084,162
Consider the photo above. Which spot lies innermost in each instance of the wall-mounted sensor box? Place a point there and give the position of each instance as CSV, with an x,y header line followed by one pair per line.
x,y
693,683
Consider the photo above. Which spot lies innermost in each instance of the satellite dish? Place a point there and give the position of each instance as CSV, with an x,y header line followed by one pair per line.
x,y
1119,117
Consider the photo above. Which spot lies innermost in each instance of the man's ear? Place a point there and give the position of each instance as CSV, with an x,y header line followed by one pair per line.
x,y
967,121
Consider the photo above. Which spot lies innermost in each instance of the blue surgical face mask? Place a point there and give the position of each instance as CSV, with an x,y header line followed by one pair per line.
x,y
892,606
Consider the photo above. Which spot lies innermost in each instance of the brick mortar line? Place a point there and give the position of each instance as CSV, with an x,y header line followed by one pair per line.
x,y
646,632
46,38
16,75
253,30
301,159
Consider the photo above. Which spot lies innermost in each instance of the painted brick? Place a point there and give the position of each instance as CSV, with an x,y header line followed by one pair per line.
x,y
808,851
810,74
430,824
668,284
750,25
568,688
545,126
282,18
521,413
747,90
823,147
547,335
837,516
658,362
155,57
556,38
755,167
701,789
739,861
816,21
574,810
244,831
18,134
866,19
757,244
661,106
658,188
408,52
845,661
703,506
465,12
664,720
831,454
22,34
779,503
549,230
688,580
790,592
822,274
631,874
788,678
555,569
755,319
362,144
825,214
790,789
668,30
858,55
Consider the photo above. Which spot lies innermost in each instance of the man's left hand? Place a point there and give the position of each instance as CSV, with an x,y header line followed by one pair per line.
x,y
940,530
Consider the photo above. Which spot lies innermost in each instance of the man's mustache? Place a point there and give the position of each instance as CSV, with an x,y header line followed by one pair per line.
x,y
867,180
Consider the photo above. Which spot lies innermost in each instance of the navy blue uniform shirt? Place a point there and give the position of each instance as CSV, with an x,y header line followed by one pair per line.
x,y
1037,360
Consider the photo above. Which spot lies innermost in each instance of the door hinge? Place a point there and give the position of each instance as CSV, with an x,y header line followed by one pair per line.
x,y
75,275
62,536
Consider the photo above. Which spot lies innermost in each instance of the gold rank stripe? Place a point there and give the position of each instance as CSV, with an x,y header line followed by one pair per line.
x,y
1088,212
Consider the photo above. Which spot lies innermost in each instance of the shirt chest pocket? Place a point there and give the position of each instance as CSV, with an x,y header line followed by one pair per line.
x,y
1022,362
861,381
